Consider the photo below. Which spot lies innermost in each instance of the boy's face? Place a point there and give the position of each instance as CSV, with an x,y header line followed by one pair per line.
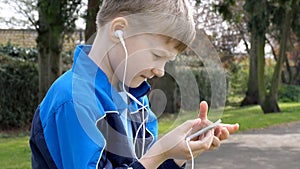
x,y
147,56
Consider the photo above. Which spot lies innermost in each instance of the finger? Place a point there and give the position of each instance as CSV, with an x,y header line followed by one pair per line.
x,y
188,125
203,110
199,130
232,128
218,131
215,143
196,127
224,134
204,143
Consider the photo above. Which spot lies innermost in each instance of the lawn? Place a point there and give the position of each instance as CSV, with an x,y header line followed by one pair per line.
x,y
15,152
249,117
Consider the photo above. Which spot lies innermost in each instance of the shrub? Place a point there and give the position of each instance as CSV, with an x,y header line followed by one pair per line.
x,y
289,93
188,86
19,84
238,77
26,54
19,89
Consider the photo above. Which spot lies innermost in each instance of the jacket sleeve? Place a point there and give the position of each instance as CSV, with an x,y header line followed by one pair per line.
x,y
81,144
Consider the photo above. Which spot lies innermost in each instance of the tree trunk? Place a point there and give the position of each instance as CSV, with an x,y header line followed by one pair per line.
x,y
43,62
251,97
49,61
288,76
91,27
49,44
296,80
271,104
261,68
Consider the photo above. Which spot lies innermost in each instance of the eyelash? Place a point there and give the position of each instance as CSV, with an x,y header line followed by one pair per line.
x,y
156,56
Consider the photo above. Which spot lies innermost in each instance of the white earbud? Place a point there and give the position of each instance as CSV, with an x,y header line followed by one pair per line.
x,y
119,34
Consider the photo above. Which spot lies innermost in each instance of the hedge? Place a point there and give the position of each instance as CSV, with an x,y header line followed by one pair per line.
x,y
19,91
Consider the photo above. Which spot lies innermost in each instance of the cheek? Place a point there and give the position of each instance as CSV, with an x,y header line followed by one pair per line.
x,y
140,62
116,57
134,68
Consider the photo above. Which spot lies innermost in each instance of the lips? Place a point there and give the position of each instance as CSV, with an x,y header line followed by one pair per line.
x,y
147,77
143,76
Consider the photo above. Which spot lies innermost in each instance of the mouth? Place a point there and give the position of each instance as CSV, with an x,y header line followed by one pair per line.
x,y
146,77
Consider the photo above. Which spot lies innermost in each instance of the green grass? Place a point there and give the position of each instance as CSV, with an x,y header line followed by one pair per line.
x,y
15,151
248,117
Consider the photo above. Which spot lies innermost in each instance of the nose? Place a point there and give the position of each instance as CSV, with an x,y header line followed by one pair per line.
x,y
158,72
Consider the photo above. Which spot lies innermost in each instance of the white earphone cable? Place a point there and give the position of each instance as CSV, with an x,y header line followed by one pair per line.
x,y
132,97
143,107
190,150
144,129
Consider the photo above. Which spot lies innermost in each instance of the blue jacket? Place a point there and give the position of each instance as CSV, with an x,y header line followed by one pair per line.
x,y
83,122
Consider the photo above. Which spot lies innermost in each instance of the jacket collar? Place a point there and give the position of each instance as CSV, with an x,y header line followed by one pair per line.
x,y
89,71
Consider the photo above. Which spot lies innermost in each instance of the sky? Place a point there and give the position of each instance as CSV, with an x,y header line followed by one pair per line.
x,y
7,12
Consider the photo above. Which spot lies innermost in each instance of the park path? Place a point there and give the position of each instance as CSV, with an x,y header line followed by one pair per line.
x,y
276,147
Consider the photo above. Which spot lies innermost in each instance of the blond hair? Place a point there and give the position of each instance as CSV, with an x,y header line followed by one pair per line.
x,y
171,18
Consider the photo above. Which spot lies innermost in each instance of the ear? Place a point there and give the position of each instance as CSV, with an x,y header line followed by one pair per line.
x,y
119,23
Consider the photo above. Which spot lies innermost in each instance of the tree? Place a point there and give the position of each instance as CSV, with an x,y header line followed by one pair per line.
x,y
233,12
91,14
283,19
53,20
224,34
56,19
261,16
292,59
258,25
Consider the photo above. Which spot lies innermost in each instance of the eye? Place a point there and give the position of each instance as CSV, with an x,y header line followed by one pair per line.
x,y
156,56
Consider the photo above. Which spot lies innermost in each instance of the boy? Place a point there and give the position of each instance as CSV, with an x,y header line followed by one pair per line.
x,y
97,114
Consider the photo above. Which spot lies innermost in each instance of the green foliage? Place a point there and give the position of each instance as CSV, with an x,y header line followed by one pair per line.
x,y
259,14
289,93
224,8
26,54
60,15
205,78
238,77
19,87
296,18
210,77
210,86
19,84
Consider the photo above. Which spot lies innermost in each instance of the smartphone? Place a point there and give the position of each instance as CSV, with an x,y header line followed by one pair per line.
x,y
204,130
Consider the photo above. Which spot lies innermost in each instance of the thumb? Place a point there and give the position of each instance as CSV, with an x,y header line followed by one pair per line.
x,y
203,110
188,125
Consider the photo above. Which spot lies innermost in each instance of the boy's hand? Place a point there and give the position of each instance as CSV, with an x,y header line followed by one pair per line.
x,y
222,131
173,145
